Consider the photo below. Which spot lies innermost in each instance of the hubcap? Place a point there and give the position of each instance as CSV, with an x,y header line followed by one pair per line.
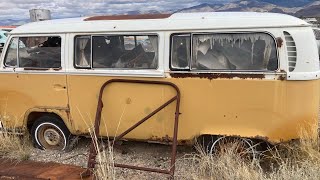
x,y
52,137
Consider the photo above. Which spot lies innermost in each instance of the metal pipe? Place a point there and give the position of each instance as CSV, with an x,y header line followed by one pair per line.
x,y
142,168
93,151
145,118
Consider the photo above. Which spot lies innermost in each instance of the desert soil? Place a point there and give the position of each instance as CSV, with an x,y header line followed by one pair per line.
x,y
133,153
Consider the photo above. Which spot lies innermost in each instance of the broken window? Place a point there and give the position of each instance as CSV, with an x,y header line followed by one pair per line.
x,y
34,52
245,51
317,34
237,51
11,55
121,52
180,56
40,52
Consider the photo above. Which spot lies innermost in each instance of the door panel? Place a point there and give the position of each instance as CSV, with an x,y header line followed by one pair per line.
x,y
35,78
124,105
20,92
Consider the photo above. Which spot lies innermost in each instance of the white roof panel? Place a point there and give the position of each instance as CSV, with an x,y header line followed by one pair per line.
x,y
177,21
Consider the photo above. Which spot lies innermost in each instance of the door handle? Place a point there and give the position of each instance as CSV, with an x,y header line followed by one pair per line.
x,y
59,87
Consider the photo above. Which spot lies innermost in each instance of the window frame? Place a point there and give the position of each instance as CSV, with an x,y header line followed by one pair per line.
x,y
171,50
221,70
6,53
74,52
113,69
33,36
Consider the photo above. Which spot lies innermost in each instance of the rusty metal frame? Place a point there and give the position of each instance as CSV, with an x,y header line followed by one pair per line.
x,y
93,151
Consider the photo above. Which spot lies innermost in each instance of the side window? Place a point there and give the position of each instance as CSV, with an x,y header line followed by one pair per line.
x,y
254,51
180,51
39,52
117,52
34,52
129,42
236,52
83,51
11,54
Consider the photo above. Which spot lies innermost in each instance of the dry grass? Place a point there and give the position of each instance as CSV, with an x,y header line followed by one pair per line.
x,y
105,169
295,160
14,146
226,165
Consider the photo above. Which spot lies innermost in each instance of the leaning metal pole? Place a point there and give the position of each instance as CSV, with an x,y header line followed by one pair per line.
x,y
93,151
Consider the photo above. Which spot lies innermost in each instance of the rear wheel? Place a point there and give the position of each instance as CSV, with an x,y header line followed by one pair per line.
x,y
244,147
49,132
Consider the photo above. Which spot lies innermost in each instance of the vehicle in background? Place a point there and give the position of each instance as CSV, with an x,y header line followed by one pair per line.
x,y
7,28
4,34
3,38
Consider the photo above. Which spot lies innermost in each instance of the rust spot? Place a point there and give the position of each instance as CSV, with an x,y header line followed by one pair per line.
x,y
165,139
168,140
45,110
13,170
68,116
282,77
217,75
186,142
127,17
279,42
128,101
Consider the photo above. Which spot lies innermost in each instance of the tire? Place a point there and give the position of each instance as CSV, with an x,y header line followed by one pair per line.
x,y
244,147
50,133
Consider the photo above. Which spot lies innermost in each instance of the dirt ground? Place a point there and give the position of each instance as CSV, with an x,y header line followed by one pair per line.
x,y
133,153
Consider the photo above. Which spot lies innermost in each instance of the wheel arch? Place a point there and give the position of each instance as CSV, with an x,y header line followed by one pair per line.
x,y
33,114
204,138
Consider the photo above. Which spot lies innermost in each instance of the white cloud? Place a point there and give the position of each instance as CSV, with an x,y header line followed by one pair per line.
x,y
19,9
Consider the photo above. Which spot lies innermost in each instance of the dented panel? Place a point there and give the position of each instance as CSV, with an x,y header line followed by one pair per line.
x,y
22,94
247,106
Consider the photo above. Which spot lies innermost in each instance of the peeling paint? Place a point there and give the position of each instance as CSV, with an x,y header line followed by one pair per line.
x,y
279,42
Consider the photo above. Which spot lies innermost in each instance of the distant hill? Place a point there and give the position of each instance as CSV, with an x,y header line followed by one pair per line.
x,y
311,11
14,22
309,8
299,8
244,5
143,12
289,3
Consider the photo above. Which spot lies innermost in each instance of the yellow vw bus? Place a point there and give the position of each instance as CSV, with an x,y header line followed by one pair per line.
x,y
250,75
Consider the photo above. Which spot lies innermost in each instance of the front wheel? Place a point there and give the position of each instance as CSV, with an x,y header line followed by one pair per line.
x,y
50,133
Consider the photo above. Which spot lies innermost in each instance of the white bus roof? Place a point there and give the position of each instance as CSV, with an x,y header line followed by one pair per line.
x,y
172,22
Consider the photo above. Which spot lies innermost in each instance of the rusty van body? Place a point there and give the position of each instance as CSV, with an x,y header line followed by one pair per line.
x,y
253,75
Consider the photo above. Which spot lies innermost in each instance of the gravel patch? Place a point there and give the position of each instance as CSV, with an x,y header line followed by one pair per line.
x,y
133,153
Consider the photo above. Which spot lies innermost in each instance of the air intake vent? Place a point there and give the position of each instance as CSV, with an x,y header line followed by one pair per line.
x,y
292,51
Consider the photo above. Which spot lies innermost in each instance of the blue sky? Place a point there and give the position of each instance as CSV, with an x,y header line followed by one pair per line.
x,y
19,9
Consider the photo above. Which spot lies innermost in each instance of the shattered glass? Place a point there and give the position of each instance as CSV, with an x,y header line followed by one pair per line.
x,y
242,51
